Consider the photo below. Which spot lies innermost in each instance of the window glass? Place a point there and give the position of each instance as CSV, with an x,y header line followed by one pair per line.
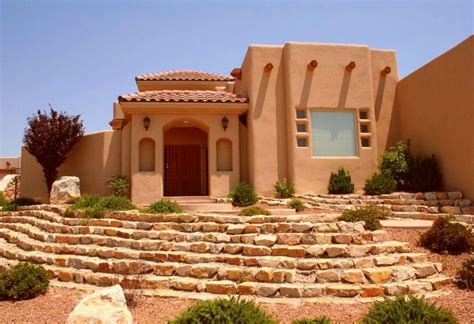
x,y
301,128
301,142
333,133
301,114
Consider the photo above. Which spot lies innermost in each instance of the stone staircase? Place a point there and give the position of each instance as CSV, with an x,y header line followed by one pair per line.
x,y
202,204
268,256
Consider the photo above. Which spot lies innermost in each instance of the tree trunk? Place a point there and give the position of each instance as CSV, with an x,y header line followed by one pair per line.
x,y
50,176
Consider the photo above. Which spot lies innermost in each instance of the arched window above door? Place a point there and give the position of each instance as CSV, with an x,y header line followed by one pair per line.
x,y
146,155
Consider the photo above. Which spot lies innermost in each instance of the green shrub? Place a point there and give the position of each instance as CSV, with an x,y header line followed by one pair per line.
x,y
296,204
380,183
316,320
96,206
119,185
3,201
447,237
243,195
23,281
424,174
224,311
284,189
371,215
465,275
254,210
407,310
164,206
21,201
396,161
340,182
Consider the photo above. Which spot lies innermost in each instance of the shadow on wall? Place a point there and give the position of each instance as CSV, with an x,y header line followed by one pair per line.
x,y
308,80
262,93
346,80
379,96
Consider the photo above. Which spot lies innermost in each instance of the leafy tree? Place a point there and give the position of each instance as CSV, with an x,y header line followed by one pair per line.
x,y
49,138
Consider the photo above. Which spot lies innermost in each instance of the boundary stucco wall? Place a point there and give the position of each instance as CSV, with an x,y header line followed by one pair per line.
x,y
435,108
94,159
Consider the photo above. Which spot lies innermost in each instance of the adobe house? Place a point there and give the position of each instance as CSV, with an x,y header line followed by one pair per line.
x,y
295,111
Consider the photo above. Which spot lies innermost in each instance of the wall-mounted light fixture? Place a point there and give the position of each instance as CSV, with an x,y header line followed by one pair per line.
x,y
351,66
225,123
386,70
268,67
312,65
146,122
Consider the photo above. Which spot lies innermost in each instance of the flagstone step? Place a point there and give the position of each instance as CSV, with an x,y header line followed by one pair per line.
x,y
263,289
245,247
183,218
359,257
67,225
377,275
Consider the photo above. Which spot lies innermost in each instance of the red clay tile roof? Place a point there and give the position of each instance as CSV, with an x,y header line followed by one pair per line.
x,y
184,75
183,96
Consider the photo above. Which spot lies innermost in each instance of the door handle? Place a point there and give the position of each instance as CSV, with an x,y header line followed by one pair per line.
x,y
166,165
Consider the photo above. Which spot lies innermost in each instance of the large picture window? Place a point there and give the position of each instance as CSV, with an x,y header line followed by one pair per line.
x,y
333,133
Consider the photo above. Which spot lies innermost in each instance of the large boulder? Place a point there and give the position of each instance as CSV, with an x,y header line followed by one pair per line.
x,y
65,189
104,306
10,186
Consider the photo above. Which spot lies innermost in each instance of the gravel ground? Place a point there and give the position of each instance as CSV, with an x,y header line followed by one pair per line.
x,y
55,306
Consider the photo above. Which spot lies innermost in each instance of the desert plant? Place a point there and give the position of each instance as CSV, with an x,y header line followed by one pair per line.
x,y
315,320
50,138
380,183
396,161
340,182
371,215
119,185
465,275
224,311
254,210
3,201
96,206
243,195
15,203
407,310
297,204
447,237
284,189
164,206
23,281
424,174
131,283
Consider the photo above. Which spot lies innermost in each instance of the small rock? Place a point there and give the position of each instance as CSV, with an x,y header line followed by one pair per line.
x,y
265,240
104,306
64,190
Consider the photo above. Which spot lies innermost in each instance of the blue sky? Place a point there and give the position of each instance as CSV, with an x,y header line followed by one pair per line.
x,y
79,56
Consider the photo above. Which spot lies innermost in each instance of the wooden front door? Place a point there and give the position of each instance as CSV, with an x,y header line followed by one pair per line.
x,y
185,170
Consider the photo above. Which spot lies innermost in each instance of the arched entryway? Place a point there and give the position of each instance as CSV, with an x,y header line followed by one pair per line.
x,y
185,159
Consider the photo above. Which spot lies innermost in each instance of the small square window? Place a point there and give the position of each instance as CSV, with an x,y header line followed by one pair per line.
x,y
301,128
363,114
301,114
302,142
365,141
364,128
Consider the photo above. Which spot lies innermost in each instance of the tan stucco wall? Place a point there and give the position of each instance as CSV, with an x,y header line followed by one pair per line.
x,y
274,97
435,109
148,186
94,159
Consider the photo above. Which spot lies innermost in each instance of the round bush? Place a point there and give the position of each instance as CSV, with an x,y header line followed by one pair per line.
x,y
371,215
284,189
407,310
316,320
23,281
465,276
447,237
254,210
296,204
164,206
95,206
340,182
224,311
243,195
380,183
